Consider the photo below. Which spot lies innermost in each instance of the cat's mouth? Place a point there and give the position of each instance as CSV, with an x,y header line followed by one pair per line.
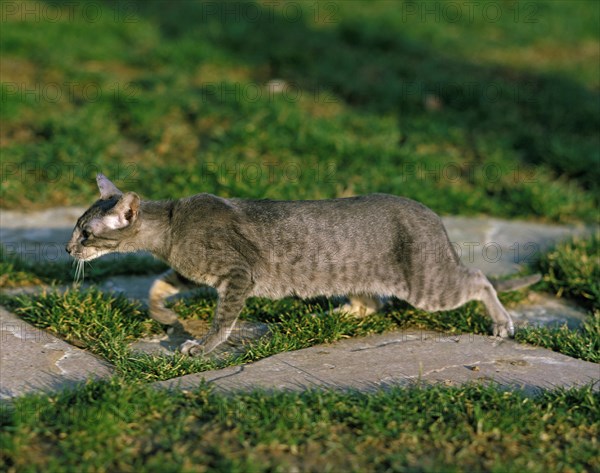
x,y
85,258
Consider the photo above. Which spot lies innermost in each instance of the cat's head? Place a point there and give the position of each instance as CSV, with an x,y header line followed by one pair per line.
x,y
108,225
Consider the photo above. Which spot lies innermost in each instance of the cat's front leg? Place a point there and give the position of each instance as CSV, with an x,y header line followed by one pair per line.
x,y
232,296
168,284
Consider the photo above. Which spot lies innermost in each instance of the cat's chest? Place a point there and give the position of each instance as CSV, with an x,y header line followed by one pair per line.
x,y
207,271
201,277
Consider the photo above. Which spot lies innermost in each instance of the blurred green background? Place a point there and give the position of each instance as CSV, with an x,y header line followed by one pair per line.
x,y
470,107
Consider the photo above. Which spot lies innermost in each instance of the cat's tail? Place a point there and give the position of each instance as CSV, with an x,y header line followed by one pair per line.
x,y
517,283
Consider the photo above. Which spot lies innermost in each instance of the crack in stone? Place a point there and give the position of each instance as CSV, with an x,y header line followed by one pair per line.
x,y
409,338
322,381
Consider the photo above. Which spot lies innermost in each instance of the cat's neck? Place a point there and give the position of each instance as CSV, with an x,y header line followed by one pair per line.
x,y
154,234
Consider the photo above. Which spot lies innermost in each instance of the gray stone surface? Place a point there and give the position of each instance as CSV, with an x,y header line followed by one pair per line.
x,y
545,310
33,360
38,236
503,247
41,236
134,287
401,358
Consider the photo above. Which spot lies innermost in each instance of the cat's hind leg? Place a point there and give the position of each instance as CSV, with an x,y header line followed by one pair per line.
x,y
461,286
485,292
478,287
168,284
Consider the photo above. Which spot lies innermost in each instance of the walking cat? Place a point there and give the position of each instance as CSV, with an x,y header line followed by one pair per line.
x,y
364,247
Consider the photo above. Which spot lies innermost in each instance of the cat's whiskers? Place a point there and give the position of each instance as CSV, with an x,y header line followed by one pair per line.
x,y
74,268
79,271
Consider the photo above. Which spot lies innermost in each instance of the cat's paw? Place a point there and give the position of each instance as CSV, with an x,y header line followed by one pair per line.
x,y
192,348
358,311
200,347
504,330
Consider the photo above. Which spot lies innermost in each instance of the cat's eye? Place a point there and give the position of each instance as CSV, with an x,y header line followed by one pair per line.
x,y
85,234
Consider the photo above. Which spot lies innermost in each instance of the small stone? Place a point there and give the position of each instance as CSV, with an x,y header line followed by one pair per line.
x,y
433,103
277,86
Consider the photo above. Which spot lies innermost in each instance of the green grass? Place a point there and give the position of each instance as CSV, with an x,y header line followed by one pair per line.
x,y
387,102
110,426
174,102
583,343
572,269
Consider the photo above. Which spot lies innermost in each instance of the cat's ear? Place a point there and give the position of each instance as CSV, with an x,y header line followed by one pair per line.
x,y
125,212
107,188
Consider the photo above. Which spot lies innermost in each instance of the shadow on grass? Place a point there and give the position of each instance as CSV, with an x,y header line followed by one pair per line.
x,y
547,119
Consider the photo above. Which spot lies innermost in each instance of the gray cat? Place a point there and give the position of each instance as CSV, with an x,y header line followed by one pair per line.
x,y
363,247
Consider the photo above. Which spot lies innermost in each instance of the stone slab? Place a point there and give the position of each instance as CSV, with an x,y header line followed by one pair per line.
x,y
401,359
33,360
546,310
39,236
504,247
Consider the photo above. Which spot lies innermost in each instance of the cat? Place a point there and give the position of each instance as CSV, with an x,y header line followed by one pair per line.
x,y
363,247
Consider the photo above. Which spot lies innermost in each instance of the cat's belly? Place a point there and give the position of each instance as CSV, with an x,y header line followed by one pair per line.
x,y
332,282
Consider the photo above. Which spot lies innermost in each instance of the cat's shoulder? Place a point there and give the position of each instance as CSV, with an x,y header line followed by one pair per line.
x,y
206,203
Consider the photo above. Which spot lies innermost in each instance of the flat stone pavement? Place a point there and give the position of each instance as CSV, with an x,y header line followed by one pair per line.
x,y
33,360
402,359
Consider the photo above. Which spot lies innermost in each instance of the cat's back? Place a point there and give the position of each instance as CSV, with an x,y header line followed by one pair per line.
x,y
330,210
374,216
362,213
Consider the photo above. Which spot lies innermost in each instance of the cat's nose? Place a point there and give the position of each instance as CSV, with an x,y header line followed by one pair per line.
x,y
67,249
